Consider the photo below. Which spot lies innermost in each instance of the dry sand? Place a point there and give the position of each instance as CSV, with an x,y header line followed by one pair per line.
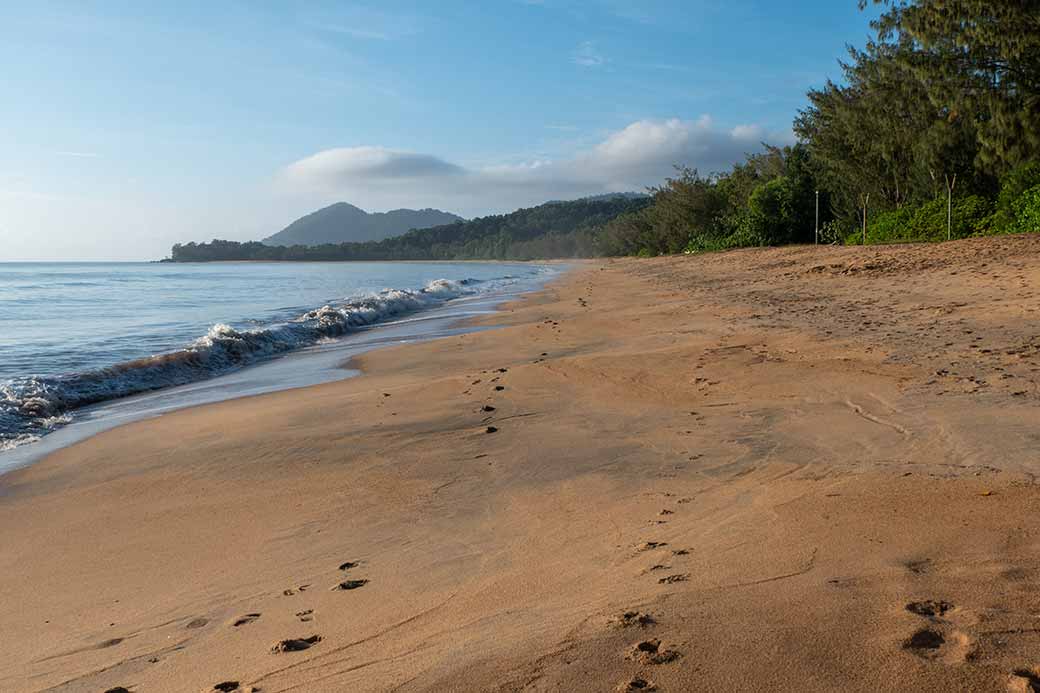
x,y
795,470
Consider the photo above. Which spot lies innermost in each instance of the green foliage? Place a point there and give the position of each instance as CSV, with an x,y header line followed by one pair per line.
x,y
771,213
1012,186
879,134
969,215
1016,182
895,226
832,232
977,59
767,199
927,222
1026,211
683,207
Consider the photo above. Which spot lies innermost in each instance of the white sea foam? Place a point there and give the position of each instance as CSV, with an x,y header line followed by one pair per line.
x,y
32,406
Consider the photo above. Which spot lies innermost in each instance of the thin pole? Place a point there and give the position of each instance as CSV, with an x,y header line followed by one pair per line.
x,y
949,206
817,217
866,201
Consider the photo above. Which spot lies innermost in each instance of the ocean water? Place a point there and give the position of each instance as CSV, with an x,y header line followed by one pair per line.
x,y
107,342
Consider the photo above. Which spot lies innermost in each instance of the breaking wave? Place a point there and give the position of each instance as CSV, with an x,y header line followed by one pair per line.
x,y
33,406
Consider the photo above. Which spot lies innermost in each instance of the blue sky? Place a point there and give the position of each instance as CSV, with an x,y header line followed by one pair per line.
x,y
129,126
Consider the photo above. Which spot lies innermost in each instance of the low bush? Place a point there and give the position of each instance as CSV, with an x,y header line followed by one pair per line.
x,y
1026,211
971,215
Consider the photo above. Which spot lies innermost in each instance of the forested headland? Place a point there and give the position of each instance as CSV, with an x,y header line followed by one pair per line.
x,y
554,229
931,132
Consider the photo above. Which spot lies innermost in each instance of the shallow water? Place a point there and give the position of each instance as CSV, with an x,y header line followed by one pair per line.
x,y
83,345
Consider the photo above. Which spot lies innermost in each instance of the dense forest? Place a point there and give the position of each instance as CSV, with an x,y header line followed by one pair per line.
x,y
932,132
554,229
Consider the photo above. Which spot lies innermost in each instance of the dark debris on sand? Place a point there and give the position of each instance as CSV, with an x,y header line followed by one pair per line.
x,y
296,644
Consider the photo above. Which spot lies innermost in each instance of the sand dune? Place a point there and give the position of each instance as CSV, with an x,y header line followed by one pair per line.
x,y
805,469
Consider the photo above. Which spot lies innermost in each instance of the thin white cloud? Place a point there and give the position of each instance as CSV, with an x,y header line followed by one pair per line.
x,y
633,158
748,132
587,55
357,32
366,23
79,155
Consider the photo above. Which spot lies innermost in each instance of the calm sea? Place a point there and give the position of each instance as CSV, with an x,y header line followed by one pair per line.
x,y
73,335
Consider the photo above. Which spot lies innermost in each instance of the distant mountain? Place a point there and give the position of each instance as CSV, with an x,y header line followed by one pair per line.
x,y
345,223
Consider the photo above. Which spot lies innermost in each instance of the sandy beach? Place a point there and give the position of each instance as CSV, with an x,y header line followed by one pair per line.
x,y
795,469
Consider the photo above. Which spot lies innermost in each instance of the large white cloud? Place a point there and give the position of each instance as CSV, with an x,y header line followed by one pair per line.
x,y
348,164
640,155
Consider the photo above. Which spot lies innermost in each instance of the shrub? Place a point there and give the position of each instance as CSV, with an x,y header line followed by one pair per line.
x,y
1012,187
832,232
770,213
971,214
1026,210
895,226
1016,183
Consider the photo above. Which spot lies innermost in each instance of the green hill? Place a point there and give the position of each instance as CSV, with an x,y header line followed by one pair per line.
x,y
551,230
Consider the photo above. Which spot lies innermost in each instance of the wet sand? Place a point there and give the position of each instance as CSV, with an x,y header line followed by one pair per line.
x,y
803,469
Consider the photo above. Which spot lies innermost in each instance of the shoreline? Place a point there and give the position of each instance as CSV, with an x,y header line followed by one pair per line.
x,y
303,367
800,469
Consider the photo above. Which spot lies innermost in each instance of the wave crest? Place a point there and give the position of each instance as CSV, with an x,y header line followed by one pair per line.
x,y
33,406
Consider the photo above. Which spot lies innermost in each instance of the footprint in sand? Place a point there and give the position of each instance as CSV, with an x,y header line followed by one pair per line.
x,y
636,684
842,582
226,686
118,689
305,615
197,623
924,641
243,620
491,429
350,584
672,579
932,643
918,566
651,652
349,564
632,618
296,644
929,608
650,545
1024,681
